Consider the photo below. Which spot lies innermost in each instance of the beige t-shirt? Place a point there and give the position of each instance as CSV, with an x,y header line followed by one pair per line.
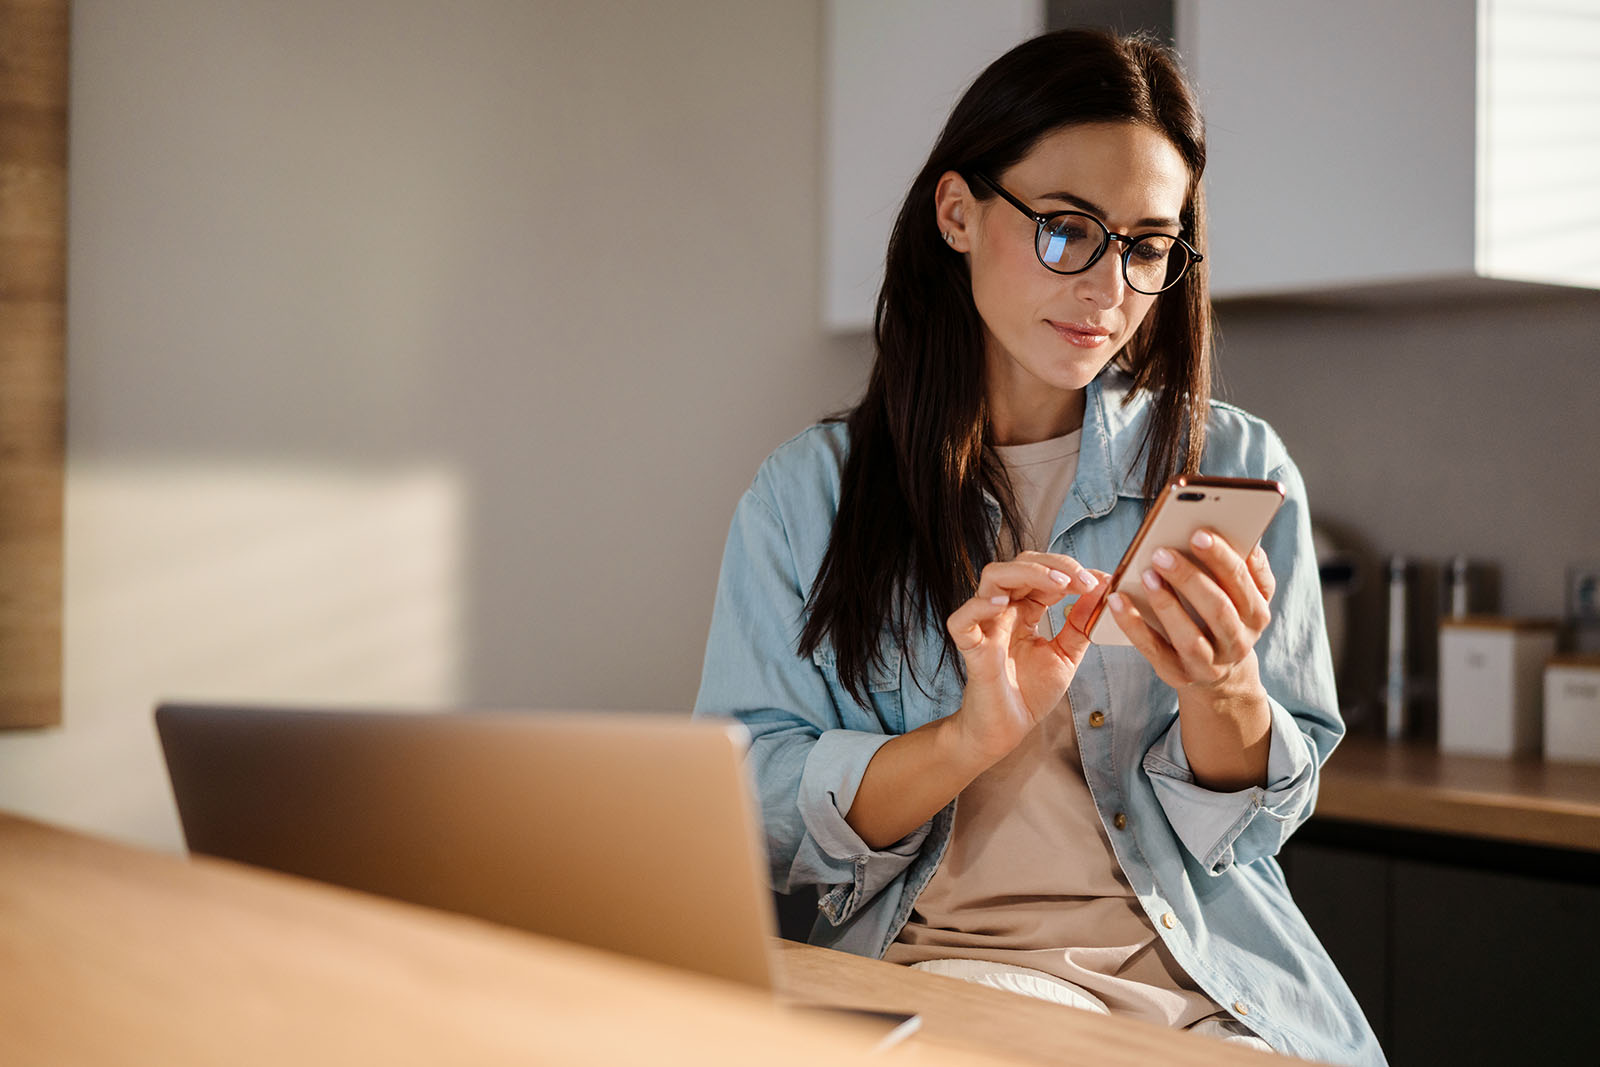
x,y
1041,474
1029,878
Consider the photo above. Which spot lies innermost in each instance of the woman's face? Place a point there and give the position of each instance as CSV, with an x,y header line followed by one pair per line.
x,y
1048,334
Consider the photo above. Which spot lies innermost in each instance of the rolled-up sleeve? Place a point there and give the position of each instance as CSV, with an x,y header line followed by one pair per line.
x,y
805,766
1220,829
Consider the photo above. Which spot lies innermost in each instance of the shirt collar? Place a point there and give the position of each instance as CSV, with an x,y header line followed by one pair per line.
x,y
1114,419
1119,418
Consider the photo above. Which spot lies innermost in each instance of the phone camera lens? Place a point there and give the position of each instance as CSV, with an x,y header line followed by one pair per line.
x,y
1191,496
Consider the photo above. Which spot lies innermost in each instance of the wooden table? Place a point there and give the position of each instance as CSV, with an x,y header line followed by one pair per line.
x,y
112,955
1413,786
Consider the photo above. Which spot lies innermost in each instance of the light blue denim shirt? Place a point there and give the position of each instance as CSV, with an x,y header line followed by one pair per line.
x,y
1205,857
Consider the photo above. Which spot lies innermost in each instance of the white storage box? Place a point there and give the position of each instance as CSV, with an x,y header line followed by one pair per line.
x,y
1491,675
1572,709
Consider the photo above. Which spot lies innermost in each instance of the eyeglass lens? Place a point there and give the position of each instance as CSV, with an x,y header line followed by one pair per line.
x,y
1071,243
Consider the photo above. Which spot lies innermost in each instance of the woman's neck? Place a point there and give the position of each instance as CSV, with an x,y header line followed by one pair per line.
x,y
1025,421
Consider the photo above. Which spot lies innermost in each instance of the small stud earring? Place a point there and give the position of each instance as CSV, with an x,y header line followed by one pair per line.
x,y
948,239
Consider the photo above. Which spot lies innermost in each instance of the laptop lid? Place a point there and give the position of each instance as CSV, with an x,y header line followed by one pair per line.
x,y
634,832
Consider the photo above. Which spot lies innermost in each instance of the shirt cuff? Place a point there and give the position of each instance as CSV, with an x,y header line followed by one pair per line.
x,y
828,786
1211,824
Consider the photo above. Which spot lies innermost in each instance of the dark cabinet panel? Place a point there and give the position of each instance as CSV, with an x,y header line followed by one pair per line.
x,y
796,912
1493,967
1460,951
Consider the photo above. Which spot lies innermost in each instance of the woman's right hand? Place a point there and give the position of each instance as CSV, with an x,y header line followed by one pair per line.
x,y
1014,676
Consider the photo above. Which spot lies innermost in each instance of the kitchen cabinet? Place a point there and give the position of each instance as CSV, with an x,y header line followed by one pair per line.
x,y
1365,143
1459,951
892,71
1471,945
1460,898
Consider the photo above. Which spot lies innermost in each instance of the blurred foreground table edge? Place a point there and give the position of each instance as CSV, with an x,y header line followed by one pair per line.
x,y
117,955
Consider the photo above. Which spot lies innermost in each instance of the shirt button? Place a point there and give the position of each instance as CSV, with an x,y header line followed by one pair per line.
x,y
1169,920
1241,1007
1097,719
1120,821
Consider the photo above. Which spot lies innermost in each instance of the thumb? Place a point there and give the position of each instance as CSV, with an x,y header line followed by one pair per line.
x,y
1073,639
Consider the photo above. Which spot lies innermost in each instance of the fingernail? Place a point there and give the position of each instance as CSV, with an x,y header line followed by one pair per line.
x,y
1162,558
1087,580
1059,578
1152,581
999,600
1118,602
1201,539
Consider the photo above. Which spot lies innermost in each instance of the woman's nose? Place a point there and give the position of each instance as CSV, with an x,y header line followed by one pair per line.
x,y
1103,284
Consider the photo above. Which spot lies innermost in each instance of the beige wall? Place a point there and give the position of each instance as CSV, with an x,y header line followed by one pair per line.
x,y
418,355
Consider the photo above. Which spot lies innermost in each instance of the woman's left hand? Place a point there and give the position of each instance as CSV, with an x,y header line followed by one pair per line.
x,y
1230,595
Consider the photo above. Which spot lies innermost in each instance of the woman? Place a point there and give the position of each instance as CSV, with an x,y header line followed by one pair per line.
x,y
967,793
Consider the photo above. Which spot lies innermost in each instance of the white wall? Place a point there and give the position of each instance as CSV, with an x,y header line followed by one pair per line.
x,y
418,353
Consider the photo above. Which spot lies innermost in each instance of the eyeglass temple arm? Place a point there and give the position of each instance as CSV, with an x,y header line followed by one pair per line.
x,y
1013,201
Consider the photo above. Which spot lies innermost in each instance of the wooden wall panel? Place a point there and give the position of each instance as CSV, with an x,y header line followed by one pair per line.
x,y
33,196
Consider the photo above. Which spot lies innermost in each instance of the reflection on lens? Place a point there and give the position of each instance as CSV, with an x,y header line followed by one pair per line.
x,y
1070,242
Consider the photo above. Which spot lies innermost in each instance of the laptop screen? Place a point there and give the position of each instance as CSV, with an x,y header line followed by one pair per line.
x,y
634,832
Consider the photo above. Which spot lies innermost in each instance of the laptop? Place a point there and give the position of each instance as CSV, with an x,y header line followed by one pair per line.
x,y
634,832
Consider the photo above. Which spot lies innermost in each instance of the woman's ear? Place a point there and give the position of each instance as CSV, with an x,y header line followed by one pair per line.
x,y
955,211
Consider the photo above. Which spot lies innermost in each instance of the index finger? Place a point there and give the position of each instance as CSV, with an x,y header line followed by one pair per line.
x,y
1053,560
1022,579
1058,562
1232,573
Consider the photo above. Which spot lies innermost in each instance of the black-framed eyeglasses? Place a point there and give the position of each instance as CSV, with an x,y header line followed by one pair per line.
x,y
1070,242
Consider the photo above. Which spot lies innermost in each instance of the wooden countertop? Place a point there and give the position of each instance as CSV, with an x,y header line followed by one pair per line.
x,y
1413,786
114,955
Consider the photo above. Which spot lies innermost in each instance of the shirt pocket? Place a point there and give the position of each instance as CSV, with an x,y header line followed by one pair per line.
x,y
884,714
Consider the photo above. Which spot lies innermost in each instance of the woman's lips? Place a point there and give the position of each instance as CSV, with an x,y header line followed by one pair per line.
x,y
1080,334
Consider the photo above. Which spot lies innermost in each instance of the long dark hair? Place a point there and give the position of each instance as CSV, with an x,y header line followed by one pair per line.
x,y
913,529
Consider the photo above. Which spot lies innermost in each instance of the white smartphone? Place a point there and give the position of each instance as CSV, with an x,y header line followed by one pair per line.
x,y
1236,509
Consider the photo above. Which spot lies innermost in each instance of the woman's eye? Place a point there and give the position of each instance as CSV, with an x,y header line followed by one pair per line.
x,y
1152,251
1070,230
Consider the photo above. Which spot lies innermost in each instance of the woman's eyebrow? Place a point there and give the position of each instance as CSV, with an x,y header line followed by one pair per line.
x,y
1100,212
